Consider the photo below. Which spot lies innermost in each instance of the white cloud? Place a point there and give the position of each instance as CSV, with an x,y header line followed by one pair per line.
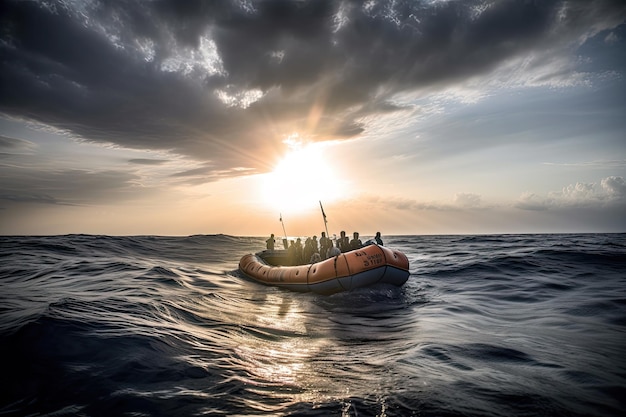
x,y
610,191
532,201
231,97
578,192
614,187
460,201
468,200
604,163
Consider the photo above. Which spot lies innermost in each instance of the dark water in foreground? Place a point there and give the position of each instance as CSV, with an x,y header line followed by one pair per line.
x,y
513,325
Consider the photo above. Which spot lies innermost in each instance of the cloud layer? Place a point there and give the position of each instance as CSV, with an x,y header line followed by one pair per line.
x,y
611,191
226,82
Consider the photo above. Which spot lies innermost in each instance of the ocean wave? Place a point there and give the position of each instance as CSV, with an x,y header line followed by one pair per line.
x,y
147,325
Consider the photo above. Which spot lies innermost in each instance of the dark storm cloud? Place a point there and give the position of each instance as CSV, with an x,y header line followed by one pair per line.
x,y
207,173
67,187
224,81
145,161
29,198
12,145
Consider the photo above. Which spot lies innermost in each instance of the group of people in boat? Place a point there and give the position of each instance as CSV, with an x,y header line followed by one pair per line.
x,y
313,251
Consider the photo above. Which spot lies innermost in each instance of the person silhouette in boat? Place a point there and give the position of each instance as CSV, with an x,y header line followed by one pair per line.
x,y
291,253
324,244
333,250
299,252
379,240
309,249
315,258
343,243
355,243
270,242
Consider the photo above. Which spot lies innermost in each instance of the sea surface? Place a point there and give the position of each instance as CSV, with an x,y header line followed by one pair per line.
x,y
489,325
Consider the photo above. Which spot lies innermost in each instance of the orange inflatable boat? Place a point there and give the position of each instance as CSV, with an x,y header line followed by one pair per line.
x,y
359,268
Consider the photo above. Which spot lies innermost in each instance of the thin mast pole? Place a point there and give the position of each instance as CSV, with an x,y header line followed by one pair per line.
x,y
281,222
285,242
325,222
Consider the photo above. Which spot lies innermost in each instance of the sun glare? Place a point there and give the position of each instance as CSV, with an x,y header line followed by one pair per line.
x,y
301,179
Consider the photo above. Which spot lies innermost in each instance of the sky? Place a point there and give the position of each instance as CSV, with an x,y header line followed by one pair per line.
x,y
405,117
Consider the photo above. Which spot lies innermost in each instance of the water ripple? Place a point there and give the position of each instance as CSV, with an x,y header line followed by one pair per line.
x,y
485,326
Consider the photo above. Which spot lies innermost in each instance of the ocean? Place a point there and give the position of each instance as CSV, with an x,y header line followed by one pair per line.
x,y
487,325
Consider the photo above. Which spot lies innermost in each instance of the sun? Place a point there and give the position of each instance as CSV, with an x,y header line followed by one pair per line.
x,y
300,180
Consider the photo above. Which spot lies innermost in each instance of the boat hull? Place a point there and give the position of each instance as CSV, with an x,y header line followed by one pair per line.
x,y
359,268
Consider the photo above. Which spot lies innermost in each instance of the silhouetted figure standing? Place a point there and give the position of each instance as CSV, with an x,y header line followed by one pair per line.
x,y
299,252
355,243
270,242
378,239
324,244
343,243
292,253
309,250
